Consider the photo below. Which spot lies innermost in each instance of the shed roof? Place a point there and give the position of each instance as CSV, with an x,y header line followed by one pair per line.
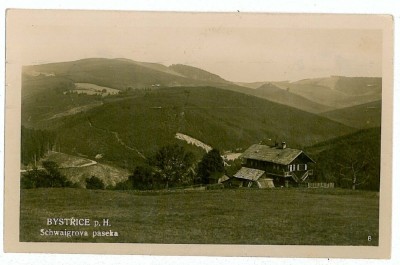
x,y
223,178
273,154
249,173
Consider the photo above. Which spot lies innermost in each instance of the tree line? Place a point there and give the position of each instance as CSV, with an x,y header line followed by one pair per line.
x,y
349,163
35,143
172,166
48,177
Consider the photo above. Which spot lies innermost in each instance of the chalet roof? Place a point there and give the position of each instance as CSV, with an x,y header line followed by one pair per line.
x,y
273,154
249,173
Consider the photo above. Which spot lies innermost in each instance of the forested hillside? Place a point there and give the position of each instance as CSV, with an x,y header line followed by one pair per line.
x,y
351,159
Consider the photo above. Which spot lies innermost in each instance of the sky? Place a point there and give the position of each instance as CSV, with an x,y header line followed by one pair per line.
x,y
238,47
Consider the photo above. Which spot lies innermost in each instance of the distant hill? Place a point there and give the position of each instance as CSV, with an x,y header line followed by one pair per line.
x,y
46,97
154,66
124,74
273,93
348,85
129,130
334,92
114,73
44,86
196,73
360,116
357,154
339,91
254,85
34,85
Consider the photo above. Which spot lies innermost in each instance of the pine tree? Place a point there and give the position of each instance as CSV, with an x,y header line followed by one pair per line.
x,y
211,166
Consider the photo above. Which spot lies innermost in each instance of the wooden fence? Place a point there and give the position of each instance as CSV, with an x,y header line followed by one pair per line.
x,y
321,185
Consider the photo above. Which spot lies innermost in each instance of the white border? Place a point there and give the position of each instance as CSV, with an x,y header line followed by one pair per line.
x,y
287,6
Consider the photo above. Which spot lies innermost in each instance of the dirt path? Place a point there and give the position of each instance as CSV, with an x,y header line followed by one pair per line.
x,y
75,110
125,145
91,163
118,138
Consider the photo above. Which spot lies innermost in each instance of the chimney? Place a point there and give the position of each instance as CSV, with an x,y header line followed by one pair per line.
x,y
283,145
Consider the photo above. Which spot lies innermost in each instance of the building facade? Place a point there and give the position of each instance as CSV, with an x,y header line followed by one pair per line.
x,y
287,167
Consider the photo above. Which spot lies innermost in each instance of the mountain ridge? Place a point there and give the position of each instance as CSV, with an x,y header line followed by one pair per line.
x,y
333,92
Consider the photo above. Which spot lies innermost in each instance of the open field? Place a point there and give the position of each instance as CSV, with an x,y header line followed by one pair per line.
x,y
92,89
244,216
68,161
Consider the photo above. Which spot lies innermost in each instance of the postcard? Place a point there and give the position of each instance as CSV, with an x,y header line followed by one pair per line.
x,y
217,134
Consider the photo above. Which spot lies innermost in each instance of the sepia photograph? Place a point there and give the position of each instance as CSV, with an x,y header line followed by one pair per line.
x,y
242,133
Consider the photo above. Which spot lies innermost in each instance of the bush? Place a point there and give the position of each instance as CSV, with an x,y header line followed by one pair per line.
x,y
33,179
142,178
50,177
94,183
173,165
53,177
124,185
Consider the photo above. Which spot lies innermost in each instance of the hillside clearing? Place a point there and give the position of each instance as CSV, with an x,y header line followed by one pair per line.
x,y
227,156
244,216
92,89
77,169
193,141
68,161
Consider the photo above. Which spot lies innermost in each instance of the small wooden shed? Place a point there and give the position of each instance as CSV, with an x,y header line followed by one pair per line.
x,y
250,177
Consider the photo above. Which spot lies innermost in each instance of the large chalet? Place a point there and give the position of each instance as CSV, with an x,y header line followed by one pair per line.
x,y
282,166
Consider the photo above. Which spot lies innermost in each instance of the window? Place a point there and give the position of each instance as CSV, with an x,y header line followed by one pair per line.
x,y
302,167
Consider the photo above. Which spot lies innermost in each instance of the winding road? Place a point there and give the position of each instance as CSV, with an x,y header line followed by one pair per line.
x,y
91,163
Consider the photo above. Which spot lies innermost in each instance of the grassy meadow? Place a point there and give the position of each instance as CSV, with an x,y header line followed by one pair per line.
x,y
242,216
